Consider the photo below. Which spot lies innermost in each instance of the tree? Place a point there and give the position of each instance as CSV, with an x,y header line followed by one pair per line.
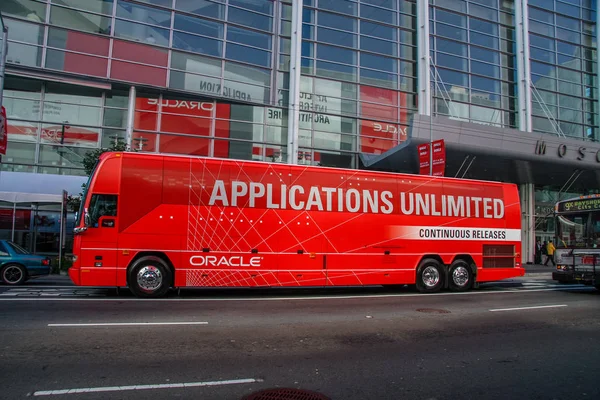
x,y
89,162
91,158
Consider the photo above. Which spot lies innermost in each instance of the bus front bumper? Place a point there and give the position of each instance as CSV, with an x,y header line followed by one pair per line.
x,y
563,276
584,277
74,275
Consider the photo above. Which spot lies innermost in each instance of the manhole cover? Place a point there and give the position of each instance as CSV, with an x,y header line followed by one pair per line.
x,y
286,394
433,310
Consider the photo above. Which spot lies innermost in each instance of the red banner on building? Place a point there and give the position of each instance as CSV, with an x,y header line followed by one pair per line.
x,y
439,158
3,131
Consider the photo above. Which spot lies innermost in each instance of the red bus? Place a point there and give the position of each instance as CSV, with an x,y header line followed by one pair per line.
x,y
153,222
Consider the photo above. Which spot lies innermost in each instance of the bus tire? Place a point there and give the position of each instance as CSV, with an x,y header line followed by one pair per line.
x,y
460,276
150,277
430,276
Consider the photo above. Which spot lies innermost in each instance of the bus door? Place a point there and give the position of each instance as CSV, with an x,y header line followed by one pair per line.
x,y
99,242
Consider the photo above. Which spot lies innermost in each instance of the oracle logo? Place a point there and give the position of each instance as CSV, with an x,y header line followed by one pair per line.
x,y
223,261
388,128
377,127
189,105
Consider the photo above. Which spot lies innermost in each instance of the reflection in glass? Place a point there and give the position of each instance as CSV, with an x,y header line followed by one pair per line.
x,y
70,135
245,92
202,7
19,153
250,19
336,71
197,44
79,20
115,117
76,63
149,15
193,63
247,54
21,109
28,9
62,156
251,38
198,26
78,41
195,83
111,137
97,6
143,33
24,54
243,73
261,6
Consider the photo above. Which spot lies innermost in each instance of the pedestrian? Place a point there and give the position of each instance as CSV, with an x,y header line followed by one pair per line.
x,y
544,251
550,250
538,253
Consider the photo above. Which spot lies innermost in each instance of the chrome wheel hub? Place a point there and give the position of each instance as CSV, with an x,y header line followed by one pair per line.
x,y
431,276
460,276
13,274
149,278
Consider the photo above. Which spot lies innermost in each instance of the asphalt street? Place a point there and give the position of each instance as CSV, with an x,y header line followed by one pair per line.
x,y
525,338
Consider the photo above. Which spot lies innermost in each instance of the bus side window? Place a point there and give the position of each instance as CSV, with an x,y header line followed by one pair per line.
x,y
102,205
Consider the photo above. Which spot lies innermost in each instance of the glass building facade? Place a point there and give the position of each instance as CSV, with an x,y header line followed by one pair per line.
x,y
315,82
210,78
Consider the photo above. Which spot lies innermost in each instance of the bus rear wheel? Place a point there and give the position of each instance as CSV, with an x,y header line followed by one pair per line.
x,y
430,276
150,277
460,276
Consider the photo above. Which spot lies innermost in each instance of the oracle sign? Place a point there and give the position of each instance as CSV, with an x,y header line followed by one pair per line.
x,y
223,261
389,128
189,105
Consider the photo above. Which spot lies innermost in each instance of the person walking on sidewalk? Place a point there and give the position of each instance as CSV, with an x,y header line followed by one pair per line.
x,y
538,252
550,250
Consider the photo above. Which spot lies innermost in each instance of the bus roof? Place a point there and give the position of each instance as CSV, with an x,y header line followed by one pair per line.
x,y
143,154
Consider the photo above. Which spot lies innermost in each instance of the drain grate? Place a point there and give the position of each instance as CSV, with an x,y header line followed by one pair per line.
x,y
433,310
286,394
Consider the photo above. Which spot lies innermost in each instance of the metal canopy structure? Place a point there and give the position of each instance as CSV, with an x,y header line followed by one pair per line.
x,y
15,198
483,152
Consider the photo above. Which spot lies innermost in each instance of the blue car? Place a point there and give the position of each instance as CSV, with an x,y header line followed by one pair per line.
x,y
17,264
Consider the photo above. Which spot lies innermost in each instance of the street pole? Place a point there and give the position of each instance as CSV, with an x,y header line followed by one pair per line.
x,y
3,58
3,68
431,141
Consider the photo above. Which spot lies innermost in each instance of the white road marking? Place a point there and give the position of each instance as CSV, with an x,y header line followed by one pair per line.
x,y
529,308
144,387
129,324
332,297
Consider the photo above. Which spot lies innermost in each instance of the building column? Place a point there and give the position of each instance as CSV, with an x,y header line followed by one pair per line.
x,y
423,60
523,66
294,92
527,195
597,110
130,117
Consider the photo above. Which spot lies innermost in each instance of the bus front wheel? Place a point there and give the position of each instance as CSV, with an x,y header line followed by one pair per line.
x,y
430,276
150,277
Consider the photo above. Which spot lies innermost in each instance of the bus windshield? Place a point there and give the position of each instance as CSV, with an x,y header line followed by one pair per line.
x,y
86,188
578,230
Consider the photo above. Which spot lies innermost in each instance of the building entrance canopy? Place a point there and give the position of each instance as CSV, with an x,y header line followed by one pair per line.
x,y
483,152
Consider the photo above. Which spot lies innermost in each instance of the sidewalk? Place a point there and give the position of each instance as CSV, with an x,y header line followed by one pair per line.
x,y
539,269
